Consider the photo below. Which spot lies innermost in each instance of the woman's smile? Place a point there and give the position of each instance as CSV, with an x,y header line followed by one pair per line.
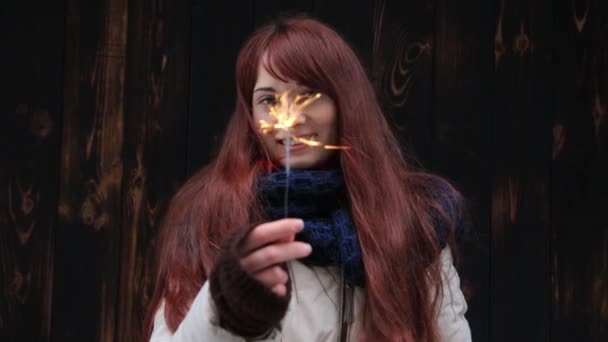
x,y
317,124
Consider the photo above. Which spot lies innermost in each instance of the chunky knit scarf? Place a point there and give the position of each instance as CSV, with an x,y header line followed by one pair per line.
x,y
319,198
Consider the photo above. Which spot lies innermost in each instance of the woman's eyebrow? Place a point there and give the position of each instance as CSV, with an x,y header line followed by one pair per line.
x,y
271,89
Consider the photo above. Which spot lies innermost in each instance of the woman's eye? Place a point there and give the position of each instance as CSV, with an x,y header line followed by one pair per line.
x,y
268,100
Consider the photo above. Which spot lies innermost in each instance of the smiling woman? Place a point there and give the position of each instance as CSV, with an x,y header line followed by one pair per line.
x,y
317,121
366,254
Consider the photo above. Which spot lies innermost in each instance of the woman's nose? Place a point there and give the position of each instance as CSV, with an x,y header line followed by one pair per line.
x,y
280,134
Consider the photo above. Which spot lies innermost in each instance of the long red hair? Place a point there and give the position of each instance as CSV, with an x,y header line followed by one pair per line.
x,y
395,208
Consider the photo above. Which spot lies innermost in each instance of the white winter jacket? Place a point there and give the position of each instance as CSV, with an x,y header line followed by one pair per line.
x,y
314,311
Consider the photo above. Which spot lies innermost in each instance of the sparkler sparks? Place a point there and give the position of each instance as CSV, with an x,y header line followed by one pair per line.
x,y
285,114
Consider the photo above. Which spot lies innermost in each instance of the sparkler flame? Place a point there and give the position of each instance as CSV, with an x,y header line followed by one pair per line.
x,y
285,114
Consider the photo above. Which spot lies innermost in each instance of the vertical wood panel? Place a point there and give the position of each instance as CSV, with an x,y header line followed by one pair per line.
x,y
521,143
88,235
403,46
268,10
579,169
218,31
155,145
353,20
508,98
461,135
30,111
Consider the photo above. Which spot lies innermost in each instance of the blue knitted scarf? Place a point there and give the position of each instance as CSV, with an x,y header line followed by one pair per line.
x,y
319,198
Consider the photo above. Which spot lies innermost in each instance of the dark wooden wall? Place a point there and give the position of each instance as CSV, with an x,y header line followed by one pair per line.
x,y
108,105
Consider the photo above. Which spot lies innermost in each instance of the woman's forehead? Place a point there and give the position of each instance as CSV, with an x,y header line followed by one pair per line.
x,y
285,64
267,79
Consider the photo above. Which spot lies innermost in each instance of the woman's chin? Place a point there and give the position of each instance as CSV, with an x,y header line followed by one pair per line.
x,y
296,164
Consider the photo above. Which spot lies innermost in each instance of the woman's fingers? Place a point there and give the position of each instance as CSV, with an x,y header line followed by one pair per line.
x,y
269,245
273,254
279,289
281,230
272,276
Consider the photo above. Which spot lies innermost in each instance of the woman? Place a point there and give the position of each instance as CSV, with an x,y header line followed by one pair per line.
x,y
366,252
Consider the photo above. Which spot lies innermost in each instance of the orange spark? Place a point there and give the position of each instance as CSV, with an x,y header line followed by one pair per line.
x,y
285,114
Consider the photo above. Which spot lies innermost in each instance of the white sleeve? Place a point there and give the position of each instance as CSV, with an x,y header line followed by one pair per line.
x,y
200,324
453,326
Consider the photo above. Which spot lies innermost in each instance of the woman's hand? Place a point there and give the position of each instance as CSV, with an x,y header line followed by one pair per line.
x,y
269,245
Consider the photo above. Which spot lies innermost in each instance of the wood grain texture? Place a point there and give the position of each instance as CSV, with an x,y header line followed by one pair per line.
x,y
265,11
461,134
579,253
156,102
521,154
108,105
30,111
402,71
91,169
215,46
353,21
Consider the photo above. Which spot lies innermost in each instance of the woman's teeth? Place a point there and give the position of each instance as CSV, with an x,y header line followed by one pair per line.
x,y
293,142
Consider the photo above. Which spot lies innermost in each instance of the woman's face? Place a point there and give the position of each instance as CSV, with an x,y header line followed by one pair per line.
x,y
317,120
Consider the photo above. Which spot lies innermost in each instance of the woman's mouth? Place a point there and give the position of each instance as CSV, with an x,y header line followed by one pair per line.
x,y
296,142
295,145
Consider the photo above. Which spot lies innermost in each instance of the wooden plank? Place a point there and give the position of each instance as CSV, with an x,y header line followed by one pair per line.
x,y
88,235
461,135
155,145
30,107
580,165
353,20
402,70
215,45
265,11
521,154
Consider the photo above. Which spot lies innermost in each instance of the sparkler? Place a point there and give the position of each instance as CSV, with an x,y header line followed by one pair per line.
x,y
285,114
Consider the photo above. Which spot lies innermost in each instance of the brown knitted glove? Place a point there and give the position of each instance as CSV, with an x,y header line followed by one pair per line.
x,y
245,306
